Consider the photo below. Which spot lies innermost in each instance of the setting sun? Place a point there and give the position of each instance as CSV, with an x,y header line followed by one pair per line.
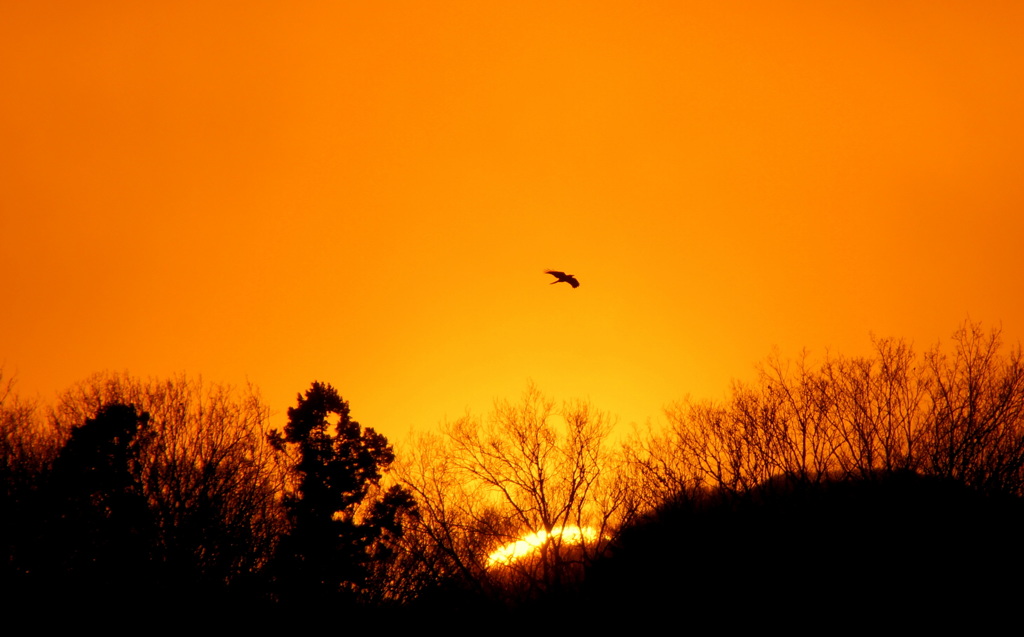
x,y
529,544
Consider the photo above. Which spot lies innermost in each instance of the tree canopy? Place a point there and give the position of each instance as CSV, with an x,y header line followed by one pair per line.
x,y
341,519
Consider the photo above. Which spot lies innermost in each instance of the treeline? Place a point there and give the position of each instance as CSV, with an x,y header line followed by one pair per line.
x,y
140,493
174,494
955,414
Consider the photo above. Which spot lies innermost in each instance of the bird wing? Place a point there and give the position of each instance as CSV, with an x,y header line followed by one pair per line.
x,y
555,273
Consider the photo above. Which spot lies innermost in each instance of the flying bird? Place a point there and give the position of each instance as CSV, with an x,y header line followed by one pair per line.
x,y
563,278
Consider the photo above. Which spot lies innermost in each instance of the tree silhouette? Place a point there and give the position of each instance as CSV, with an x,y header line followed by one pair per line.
x,y
341,519
98,532
530,468
26,452
209,477
958,415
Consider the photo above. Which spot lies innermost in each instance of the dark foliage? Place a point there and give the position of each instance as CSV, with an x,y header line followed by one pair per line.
x,y
104,525
340,517
91,531
210,480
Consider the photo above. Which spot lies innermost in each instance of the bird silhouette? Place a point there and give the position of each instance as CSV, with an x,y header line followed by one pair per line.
x,y
563,278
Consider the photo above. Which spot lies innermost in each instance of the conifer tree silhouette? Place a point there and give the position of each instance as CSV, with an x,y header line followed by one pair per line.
x,y
338,515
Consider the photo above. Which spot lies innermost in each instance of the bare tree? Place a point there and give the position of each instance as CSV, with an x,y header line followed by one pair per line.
x,y
27,450
209,475
26,444
530,468
876,407
976,416
958,415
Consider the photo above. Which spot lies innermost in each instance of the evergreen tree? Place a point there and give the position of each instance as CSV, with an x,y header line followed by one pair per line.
x,y
98,532
340,518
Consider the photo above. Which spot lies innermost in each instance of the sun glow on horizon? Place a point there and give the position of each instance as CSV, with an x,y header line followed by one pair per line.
x,y
531,543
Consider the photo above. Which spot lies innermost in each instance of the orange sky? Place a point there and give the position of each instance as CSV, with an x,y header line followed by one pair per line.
x,y
367,194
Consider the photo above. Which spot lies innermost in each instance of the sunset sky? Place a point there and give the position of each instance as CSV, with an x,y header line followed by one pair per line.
x,y
367,194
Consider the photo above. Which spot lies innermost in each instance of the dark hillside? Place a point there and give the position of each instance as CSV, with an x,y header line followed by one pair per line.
x,y
890,548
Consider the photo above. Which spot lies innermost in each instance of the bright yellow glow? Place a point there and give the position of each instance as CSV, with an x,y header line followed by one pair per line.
x,y
529,544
